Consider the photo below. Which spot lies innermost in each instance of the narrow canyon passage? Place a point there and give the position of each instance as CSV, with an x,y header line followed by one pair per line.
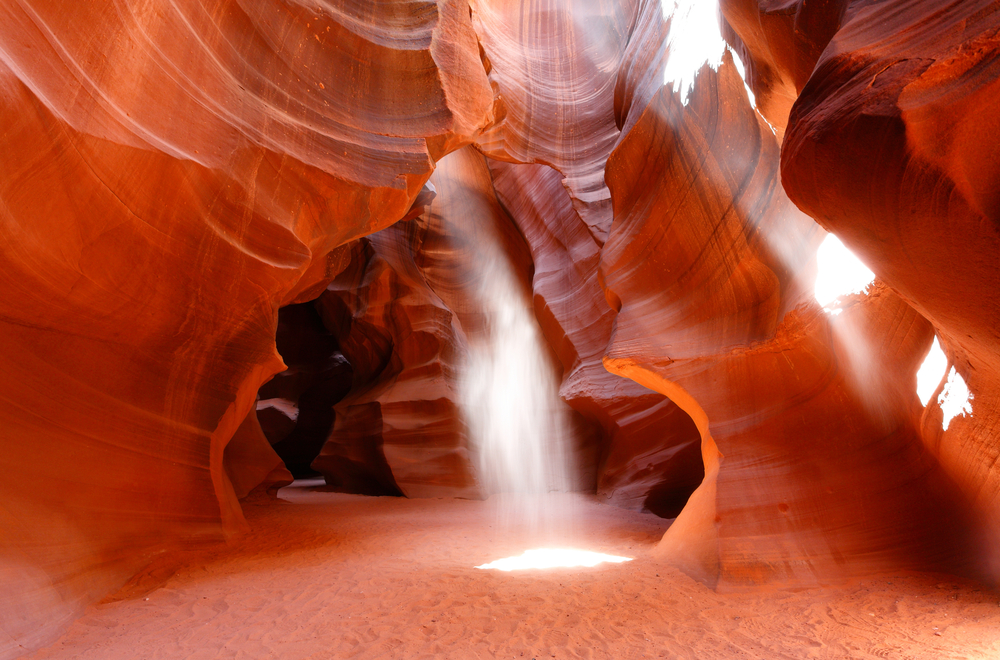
x,y
328,575
301,301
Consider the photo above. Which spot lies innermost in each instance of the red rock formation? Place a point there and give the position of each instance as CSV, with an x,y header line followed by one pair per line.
x,y
250,462
553,66
171,175
405,315
651,451
710,266
174,173
893,145
779,45
399,429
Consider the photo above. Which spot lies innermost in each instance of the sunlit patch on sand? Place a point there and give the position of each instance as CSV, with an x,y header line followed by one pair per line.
x,y
955,398
839,273
553,558
931,372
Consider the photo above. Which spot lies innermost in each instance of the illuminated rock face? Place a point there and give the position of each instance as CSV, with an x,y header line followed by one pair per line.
x,y
405,312
796,411
173,175
555,101
780,47
650,449
399,430
558,118
904,96
407,316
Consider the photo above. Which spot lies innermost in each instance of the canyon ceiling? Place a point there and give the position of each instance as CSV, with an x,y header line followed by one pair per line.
x,y
173,173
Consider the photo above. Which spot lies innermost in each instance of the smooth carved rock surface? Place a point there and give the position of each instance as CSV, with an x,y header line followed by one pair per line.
x,y
779,46
899,117
398,431
709,264
172,173
406,314
650,449
250,462
554,66
557,106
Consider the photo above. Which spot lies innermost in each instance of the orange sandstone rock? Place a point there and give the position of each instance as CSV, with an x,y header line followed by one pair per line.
x,y
779,45
172,174
710,267
650,455
553,66
406,315
893,145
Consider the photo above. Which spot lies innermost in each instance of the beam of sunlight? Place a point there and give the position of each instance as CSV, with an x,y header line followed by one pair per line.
x,y
931,372
519,428
510,397
542,558
955,399
742,69
693,41
839,273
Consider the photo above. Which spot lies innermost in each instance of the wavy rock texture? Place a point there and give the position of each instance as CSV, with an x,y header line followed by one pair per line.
x,y
780,44
553,66
651,451
172,173
406,316
710,266
899,118
398,431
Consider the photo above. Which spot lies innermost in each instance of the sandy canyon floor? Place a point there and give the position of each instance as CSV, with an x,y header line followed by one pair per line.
x,y
326,575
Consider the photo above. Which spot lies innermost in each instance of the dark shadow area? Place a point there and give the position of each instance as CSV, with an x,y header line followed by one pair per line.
x,y
295,408
679,478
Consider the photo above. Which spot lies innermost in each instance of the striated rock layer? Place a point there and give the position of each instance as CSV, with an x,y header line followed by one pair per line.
x,y
408,314
710,266
553,67
650,453
172,173
899,116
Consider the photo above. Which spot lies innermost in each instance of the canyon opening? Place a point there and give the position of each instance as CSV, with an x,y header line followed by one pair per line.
x,y
499,329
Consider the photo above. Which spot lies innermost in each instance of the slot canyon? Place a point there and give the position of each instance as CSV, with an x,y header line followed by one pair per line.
x,y
318,316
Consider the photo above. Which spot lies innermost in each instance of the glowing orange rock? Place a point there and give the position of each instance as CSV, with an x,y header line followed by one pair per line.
x,y
650,450
780,46
710,266
405,315
172,174
893,145
554,66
